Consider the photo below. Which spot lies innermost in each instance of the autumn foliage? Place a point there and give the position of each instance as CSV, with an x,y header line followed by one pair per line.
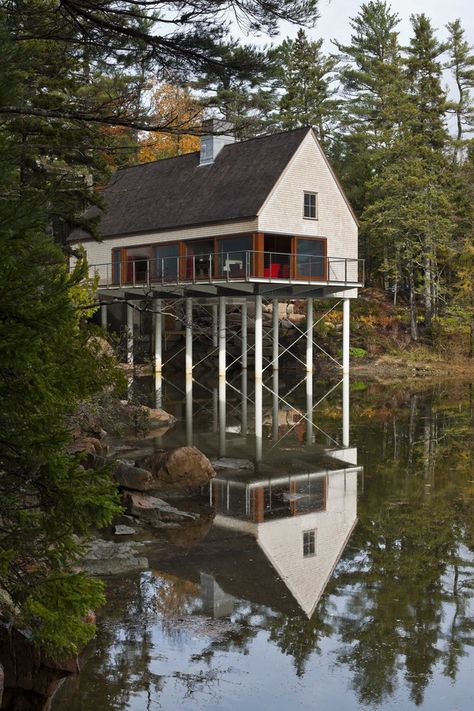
x,y
174,107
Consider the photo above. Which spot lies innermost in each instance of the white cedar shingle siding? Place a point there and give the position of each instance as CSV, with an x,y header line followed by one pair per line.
x,y
101,252
283,209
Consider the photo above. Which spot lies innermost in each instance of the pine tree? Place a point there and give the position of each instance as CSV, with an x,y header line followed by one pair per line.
x,y
461,64
48,363
374,89
431,141
246,98
305,77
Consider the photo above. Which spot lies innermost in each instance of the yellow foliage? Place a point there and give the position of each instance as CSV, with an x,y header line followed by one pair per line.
x,y
174,107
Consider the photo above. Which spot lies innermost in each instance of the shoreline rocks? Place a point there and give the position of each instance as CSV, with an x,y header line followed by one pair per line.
x,y
154,511
183,470
28,678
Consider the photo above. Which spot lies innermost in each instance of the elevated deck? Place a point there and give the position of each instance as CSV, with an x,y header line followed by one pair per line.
x,y
244,273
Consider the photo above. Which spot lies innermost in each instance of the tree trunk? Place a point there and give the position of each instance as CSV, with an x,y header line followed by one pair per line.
x,y
428,295
413,313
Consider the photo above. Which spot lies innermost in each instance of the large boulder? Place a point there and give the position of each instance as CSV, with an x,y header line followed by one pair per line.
x,y
184,469
159,418
131,477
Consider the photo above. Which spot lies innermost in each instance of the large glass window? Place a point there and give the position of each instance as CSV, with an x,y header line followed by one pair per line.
x,y
200,259
165,262
234,256
310,258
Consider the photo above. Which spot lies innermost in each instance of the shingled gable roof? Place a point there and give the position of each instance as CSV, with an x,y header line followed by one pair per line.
x,y
178,192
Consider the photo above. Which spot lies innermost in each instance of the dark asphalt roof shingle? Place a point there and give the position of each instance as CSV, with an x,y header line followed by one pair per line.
x,y
177,192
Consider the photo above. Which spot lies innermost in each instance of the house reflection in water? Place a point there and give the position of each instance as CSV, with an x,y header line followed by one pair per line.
x,y
301,523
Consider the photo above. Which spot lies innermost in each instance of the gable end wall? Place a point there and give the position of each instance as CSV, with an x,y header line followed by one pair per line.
x,y
283,209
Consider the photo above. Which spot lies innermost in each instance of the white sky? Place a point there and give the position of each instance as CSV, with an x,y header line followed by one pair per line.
x,y
335,14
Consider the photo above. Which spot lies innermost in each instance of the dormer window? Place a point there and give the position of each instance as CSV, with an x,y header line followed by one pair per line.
x,y
310,207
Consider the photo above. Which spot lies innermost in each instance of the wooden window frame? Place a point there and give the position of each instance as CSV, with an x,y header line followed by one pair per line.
x,y
304,277
316,211
312,532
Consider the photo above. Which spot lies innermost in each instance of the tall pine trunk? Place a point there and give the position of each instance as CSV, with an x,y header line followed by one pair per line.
x,y
413,312
428,294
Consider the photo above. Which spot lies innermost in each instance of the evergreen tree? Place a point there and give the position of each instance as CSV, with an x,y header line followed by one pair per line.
x,y
431,142
461,64
246,99
48,364
305,76
373,86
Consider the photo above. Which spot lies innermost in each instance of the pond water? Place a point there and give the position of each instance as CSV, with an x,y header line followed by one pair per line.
x,y
336,573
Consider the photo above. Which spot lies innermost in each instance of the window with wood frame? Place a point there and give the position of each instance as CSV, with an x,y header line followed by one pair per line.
x,y
309,543
310,258
310,206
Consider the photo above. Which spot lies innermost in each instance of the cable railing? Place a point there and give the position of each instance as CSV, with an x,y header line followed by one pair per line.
x,y
239,266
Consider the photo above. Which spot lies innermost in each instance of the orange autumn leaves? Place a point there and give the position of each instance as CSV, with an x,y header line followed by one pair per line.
x,y
177,109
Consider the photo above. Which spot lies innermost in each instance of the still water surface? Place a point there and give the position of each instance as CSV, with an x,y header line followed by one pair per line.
x,y
326,577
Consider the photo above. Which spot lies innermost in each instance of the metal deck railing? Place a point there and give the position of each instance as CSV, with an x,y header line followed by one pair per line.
x,y
240,266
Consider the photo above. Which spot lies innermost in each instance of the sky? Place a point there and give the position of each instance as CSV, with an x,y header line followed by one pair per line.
x,y
335,14
335,18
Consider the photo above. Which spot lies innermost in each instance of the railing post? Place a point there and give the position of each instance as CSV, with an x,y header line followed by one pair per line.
x,y
162,270
193,275
227,270
210,268
133,272
345,271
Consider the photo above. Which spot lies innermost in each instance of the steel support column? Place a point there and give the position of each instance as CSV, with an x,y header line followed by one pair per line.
x,y
275,406
244,326
222,337
309,410
345,410
244,408
309,335
215,326
346,325
189,409
189,337
258,338
222,416
258,379
158,334
130,314
103,315
275,334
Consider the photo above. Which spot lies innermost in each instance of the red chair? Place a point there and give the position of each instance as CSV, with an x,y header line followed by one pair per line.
x,y
273,271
